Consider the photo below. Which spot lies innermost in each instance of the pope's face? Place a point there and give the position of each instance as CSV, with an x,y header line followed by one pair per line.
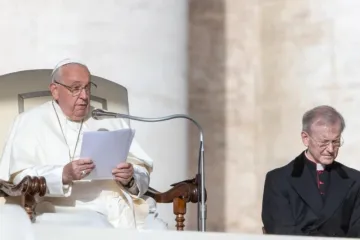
x,y
72,91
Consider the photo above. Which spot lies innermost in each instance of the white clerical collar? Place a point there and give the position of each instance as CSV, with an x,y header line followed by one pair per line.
x,y
320,167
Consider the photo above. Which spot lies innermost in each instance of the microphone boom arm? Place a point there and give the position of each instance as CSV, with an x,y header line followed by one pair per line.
x,y
98,114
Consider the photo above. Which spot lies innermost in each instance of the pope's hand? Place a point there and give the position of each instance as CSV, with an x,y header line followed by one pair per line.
x,y
123,173
76,170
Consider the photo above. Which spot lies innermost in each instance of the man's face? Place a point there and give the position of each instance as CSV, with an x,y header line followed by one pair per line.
x,y
73,91
323,142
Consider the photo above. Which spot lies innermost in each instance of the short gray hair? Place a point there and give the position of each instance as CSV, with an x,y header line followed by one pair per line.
x,y
324,112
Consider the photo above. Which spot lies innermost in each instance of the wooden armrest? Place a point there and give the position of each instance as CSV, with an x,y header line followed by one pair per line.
x,y
180,194
27,189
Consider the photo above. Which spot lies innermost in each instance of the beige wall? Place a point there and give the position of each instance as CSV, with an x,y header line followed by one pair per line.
x,y
255,66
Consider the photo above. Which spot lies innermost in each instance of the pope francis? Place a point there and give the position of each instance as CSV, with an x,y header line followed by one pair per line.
x,y
46,141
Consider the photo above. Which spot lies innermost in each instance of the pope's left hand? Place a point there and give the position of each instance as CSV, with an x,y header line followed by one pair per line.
x,y
123,173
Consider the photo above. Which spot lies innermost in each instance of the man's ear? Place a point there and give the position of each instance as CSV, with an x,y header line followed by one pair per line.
x,y
305,138
54,91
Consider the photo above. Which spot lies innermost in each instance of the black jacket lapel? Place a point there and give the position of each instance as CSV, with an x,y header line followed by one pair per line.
x,y
303,183
339,186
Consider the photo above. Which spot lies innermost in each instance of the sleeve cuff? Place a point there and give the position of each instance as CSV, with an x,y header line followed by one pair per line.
x,y
55,185
141,177
141,182
134,189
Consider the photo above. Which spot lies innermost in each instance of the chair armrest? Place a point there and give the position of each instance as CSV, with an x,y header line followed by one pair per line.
x,y
180,194
186,189
27,189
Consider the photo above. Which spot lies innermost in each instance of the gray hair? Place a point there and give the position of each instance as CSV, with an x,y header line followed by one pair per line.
x,y
56,73
326,113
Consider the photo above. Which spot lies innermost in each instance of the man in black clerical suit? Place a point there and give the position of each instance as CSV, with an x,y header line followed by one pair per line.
x,y
314,195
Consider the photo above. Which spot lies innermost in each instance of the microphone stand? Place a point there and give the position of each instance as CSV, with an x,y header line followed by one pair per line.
x,y
200,177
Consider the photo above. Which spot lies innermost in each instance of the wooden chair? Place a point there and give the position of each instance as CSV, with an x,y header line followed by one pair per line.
x,y
35,93
28,189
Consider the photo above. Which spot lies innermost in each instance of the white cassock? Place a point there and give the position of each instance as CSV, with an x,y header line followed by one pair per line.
x,y
38,146
12,219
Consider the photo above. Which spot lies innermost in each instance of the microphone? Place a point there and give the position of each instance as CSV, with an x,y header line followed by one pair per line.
x,y
100,114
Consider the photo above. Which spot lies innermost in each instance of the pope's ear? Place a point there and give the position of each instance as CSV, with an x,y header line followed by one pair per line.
x,y
54,91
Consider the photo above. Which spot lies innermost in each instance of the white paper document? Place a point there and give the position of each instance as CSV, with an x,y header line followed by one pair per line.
x,y
106,149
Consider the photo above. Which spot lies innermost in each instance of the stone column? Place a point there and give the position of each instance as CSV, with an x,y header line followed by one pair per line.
x,y
224,67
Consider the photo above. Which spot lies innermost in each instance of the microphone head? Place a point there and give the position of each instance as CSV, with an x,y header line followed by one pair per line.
x,y
99,114
96,113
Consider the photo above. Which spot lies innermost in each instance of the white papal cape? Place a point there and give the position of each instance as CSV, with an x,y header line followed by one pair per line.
x,y
36,147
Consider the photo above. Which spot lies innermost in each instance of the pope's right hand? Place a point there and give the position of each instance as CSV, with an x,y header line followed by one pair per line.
x,y
76,170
